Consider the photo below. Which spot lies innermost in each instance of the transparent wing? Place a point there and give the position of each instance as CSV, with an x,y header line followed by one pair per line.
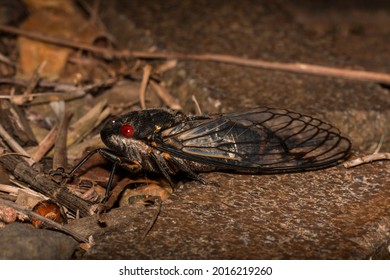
x,y
261,140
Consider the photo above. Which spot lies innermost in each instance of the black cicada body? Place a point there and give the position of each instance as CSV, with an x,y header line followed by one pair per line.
x,y
262,140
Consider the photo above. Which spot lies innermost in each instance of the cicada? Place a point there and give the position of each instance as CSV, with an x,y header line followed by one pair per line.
x,y
261,141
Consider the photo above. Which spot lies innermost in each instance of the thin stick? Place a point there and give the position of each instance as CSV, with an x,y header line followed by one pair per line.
x,y
108,53
197,107
62,88
24,188
34,79
144,84
46,221
9,189
3,153
168,65
379,146
46,144
60,149
102,116
155,216
6,60
366,159
86,124
10,197
290,67
14,145
166,96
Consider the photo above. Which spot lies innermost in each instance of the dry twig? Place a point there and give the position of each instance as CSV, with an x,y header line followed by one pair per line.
x,y
166,96
34,81
46,144
60,149
44,185
197,106
168,65
290,67
15,145
9,189
366,159
6,60
144,84
21,188
153,221
88,122
56,91
46,221
35,98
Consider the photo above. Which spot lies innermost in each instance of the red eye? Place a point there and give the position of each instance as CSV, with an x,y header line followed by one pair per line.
x,y
127,130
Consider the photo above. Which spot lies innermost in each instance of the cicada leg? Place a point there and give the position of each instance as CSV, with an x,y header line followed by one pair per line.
x,y
115,159
163,167
192,174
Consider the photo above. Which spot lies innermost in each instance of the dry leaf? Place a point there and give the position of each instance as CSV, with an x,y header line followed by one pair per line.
x,y
52,18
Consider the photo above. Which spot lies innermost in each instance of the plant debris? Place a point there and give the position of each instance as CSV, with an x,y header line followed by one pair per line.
x,y
60,80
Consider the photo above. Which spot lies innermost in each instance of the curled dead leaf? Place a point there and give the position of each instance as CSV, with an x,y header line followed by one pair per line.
x,y
47,209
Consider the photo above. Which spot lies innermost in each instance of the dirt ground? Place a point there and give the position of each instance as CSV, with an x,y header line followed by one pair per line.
x,y
311,215
335,213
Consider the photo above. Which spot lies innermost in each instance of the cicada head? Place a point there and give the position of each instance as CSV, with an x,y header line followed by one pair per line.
x,y
138,126
123,129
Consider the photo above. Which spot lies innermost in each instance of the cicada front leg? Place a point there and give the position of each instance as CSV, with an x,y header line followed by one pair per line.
x,y
115,159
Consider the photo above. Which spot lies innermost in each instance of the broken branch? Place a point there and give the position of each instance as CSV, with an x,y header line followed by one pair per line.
x,y
44,185
366,159
229,59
